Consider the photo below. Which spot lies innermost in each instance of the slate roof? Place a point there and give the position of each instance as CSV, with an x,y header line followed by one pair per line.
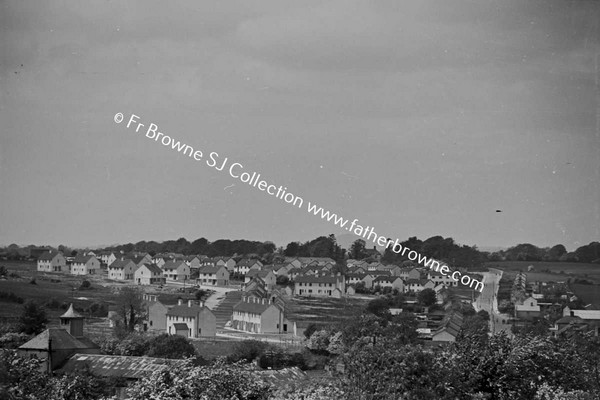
x,y
82,259
180,326
259,273
316,279
48,255
252,307
172,264
185,311
129,367
451,324
120,264
210,269
386,279
155,269
61,340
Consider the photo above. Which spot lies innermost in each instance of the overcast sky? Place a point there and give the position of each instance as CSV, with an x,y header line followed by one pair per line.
x,y
419,118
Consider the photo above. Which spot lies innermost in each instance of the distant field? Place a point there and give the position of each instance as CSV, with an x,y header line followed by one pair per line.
x,y
590,294
559,271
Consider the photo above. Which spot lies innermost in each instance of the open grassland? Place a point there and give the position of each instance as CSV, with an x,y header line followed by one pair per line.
x,y
550,271
306,310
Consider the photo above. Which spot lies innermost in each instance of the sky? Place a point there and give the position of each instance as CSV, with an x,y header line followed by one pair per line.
x,y
418,118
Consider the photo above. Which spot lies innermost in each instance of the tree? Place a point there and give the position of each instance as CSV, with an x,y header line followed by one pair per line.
x,y
556,252
247,350
379,306
427,297
358,249
292,249
170,346
33,318
130,309
216,382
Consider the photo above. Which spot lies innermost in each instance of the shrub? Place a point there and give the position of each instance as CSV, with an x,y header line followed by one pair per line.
x,y
247,350
85,284
32,281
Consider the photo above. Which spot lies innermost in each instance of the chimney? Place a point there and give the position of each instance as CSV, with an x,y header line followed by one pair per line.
x,y
179,301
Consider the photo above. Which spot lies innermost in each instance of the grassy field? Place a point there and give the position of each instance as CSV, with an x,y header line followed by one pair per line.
x,y
550,271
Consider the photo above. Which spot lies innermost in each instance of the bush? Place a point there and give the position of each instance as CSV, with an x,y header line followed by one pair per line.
x,y
53,304
166,346
3,270
85,284
247,350
11,297
32,281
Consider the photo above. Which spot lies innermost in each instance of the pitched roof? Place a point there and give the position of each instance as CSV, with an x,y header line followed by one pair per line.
x,y
81,259
185,311
252,307
48,255
210,269
173,264
120,264
129,367
451,324
316,279
180,326
153,268
61,340
259,273
71,313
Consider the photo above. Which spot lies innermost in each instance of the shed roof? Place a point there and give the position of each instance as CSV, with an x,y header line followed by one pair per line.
x,y
129,367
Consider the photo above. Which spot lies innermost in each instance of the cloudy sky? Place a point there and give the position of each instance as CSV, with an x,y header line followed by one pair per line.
x,y
419,118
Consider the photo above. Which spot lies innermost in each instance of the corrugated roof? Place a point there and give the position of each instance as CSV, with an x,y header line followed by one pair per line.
x,y
61,340
129,367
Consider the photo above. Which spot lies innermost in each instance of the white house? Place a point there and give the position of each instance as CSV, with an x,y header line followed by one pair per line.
x,y
51,261
176,271
217,275
85,265
258,316
320,286
149,274
191,320
121,270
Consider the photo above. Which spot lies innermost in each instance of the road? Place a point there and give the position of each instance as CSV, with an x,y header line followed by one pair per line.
x,y
488,301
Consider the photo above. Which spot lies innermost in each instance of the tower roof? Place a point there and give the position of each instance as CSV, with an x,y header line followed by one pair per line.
x,y
71,313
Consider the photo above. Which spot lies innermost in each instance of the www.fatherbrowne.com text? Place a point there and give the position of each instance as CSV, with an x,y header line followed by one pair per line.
x,y
236,171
